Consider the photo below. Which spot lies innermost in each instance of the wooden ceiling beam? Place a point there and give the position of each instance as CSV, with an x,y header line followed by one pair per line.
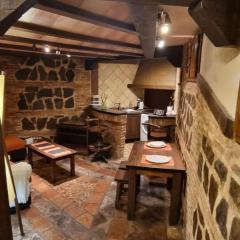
x,y
38,29
12,47
67,46
184,3
70,11
145,19
219,20
12,12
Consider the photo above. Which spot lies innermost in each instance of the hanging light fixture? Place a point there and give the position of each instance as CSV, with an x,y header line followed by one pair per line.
x,y
164,22
68,55
163,28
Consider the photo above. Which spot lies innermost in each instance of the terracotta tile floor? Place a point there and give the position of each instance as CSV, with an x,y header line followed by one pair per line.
x,y
83,208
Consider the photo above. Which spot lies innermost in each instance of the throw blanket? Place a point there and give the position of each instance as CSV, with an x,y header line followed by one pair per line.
x,y
21,173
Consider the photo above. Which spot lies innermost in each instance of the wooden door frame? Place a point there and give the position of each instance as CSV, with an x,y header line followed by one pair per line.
x,y
237,119
5,226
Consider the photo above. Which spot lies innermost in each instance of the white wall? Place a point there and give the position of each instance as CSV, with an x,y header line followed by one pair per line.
x,y
221,69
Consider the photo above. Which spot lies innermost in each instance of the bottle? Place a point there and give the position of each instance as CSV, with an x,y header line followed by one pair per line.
x,y
138,102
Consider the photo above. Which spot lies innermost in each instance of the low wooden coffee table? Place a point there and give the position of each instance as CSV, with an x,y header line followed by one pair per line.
x,y
53,153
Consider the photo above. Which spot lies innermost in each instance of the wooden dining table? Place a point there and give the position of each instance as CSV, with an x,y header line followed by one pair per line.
x,y
175,169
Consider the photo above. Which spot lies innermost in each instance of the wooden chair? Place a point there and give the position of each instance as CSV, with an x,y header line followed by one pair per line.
x,y
156,132
121,178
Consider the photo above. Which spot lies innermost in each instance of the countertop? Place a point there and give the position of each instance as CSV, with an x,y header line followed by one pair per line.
x,y
126,112
158,116
116,111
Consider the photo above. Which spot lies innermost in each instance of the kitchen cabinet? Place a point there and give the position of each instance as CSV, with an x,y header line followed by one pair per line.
x,y
133,126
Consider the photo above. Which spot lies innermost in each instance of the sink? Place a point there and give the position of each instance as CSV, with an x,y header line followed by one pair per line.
x,y
130,110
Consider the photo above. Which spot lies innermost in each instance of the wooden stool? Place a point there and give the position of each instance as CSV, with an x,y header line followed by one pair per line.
x,y
121,178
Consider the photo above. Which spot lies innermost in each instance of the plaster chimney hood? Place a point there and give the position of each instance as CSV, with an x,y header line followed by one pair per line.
x,y
155,74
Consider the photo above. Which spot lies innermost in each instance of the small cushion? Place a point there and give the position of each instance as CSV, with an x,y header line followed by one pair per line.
x,y
14,143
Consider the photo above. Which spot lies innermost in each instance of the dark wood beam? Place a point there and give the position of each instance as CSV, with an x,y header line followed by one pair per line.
x,y
222,117
121,60
70,11
21,53
15,10
184,3
218,19
12,47
67,46
38,29
145,19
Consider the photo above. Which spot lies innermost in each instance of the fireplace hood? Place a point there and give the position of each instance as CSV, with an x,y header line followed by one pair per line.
x,y
155,74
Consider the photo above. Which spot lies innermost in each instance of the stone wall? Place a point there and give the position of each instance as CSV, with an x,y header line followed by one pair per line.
x,y
212,199
40,92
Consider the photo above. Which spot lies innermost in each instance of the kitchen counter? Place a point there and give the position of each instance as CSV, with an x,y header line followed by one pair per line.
x,y
163,116
116,111
115,121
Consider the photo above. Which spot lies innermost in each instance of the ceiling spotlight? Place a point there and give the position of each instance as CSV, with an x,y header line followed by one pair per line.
x,y
160,43
68,55
164,28
58,52
47,49
164,22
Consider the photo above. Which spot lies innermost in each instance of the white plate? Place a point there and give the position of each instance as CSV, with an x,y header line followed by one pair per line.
x,y
157,144
158,158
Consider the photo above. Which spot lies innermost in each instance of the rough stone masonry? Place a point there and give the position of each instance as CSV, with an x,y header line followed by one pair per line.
x,y
42,91
212,200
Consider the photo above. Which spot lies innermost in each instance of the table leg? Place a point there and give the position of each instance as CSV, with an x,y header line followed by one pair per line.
x,y
175,205
30,157
132,182
72,165
53,169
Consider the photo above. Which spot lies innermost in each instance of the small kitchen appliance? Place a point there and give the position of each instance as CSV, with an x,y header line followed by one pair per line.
x,y
95,101
140,104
